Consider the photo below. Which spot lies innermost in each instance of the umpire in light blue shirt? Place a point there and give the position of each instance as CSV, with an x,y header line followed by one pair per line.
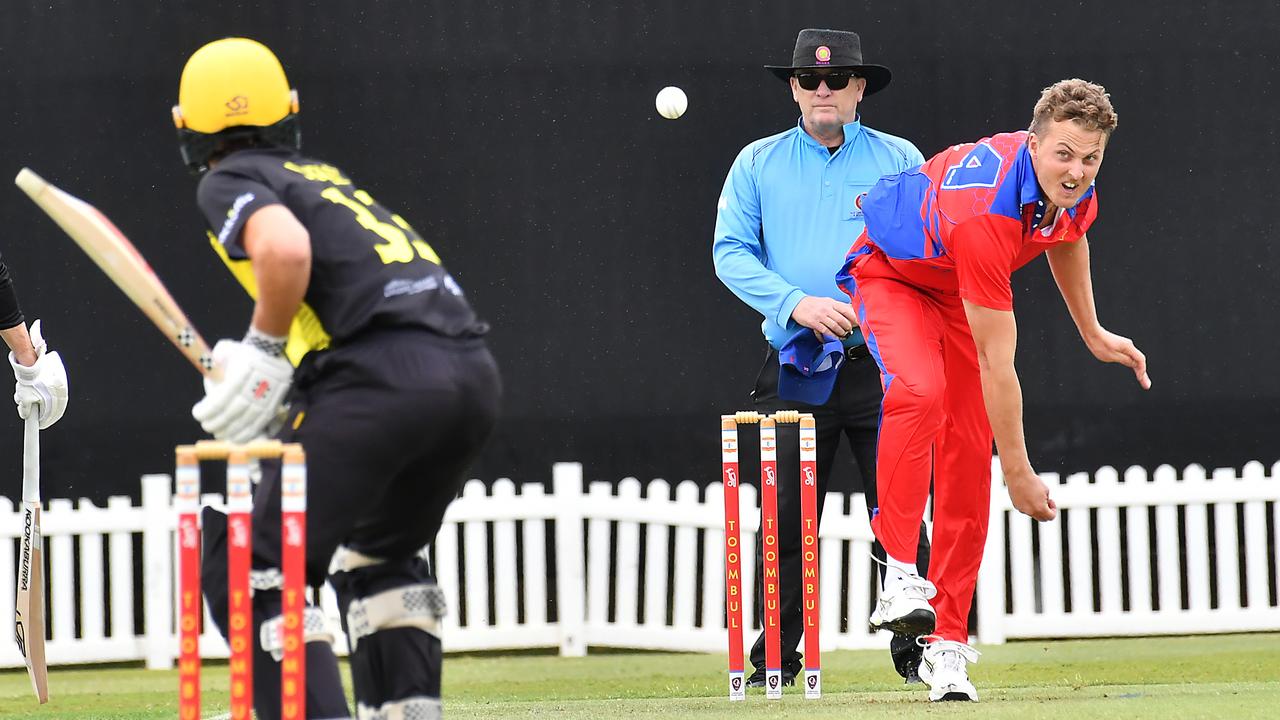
x,y
790,210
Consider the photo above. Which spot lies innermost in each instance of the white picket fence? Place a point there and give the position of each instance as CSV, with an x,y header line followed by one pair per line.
x,y
1114,565
640,566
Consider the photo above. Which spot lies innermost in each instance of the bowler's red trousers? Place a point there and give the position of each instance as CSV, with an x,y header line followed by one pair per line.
x,y
933,424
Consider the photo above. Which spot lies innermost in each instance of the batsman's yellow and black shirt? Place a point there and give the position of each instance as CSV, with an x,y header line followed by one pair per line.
x,y
369,269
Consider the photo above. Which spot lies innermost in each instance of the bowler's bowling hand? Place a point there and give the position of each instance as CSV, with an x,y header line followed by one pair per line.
x,y
1109,347
1030,495
825,316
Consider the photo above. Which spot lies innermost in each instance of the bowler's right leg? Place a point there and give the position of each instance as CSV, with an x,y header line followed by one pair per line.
x,y
904,331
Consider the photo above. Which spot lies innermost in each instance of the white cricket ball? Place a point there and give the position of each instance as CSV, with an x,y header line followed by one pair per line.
x,y
671,102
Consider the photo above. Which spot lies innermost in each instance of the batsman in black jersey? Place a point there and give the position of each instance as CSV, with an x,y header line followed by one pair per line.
x,y
363,335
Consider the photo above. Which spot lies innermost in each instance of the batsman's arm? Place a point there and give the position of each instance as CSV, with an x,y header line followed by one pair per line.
x,y
19,342
257,375
14,329
279,248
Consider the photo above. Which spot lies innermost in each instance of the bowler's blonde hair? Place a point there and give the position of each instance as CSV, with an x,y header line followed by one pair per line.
x,y
1080,100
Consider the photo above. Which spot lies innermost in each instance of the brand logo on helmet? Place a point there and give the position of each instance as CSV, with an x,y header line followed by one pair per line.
x,y
238,105
823,54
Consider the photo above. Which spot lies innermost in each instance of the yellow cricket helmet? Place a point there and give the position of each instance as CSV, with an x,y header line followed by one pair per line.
x,y
233,88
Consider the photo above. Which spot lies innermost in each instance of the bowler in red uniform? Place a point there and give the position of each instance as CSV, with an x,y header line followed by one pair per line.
x,y
930,281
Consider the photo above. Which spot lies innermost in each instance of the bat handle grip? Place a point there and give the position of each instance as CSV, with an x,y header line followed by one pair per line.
x,y
31,457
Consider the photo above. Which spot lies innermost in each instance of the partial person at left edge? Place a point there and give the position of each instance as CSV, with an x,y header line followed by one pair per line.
x,y
40,378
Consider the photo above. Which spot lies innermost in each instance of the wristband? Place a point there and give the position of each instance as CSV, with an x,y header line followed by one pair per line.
x,y
271,345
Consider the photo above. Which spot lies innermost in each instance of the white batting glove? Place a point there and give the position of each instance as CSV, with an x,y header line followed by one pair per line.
x,y
43,385
250,395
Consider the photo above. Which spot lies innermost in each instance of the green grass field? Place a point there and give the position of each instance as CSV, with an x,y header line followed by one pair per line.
x,y
1226,676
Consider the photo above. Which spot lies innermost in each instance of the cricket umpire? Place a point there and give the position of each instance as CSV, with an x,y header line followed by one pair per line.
x,y
393,394
789,208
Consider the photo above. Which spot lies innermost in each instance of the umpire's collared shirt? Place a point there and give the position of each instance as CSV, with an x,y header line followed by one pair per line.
x,y
789,212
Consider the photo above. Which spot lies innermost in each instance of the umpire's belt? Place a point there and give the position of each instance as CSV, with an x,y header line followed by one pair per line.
x,y
856,352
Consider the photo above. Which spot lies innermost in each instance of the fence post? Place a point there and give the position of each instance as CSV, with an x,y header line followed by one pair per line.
x,y
992,571
571,585
59,548
157,563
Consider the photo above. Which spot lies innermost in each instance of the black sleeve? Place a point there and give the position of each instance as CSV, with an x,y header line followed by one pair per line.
x,y
10,313
227,198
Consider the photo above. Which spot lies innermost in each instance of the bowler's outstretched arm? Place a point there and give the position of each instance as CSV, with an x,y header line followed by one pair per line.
x,y
1070,265
995,333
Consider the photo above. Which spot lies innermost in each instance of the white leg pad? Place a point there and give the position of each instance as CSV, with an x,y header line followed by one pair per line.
x,y
419,606
414,708
314,629
270,579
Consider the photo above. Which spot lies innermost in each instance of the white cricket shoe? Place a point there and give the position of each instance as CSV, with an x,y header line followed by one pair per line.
x,y
904,606
945,668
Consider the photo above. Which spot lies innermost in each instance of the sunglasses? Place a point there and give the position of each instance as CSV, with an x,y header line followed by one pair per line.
x,y
835,80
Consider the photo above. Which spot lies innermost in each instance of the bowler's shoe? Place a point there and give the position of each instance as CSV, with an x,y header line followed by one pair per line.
x,y
945,669
903,606
906,654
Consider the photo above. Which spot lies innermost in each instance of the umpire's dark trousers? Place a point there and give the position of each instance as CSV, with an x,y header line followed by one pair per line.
x,y
853,411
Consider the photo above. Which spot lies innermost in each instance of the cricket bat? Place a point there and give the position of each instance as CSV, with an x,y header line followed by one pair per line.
x,y
28,621
121,261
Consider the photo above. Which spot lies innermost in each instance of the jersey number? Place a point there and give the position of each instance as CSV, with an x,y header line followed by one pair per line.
x,y
401,244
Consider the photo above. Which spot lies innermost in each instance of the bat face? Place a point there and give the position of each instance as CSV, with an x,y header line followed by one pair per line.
x,y
28,622
30,536
103,242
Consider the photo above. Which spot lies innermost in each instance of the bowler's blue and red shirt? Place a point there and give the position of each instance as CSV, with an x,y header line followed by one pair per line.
x,y
965,220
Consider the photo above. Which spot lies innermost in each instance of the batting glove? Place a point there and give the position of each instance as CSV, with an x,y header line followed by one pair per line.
x,y
43,385
250,395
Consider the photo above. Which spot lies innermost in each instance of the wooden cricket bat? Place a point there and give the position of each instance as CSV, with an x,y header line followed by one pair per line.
x,y
121,261
28,621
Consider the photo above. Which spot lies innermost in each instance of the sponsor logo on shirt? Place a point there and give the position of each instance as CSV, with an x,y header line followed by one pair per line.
x,y
399,287
856,212
233,215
